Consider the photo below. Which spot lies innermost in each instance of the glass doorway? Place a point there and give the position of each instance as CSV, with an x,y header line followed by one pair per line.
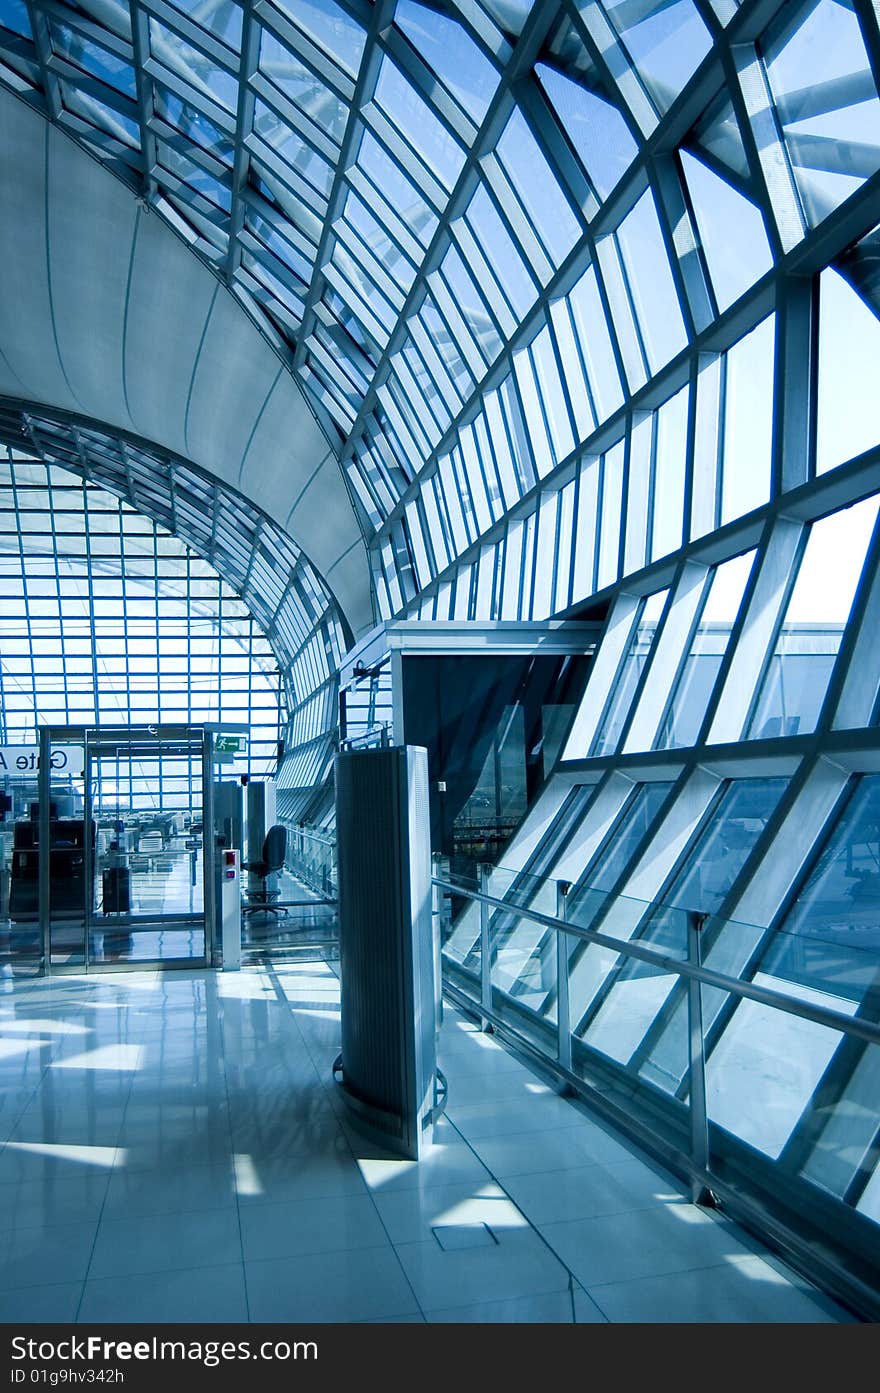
x,y
124,880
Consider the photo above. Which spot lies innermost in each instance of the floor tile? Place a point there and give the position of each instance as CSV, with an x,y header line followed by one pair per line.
x,y
448,1163
163,1242
519,1264
209,1295
410,1214
57,1199
239,1174
29,1255
311,1226
499,1117
55,1304
548,1308
276,1179
188,1188
586,1192
740,1290
563,1148
642,1243
368,1284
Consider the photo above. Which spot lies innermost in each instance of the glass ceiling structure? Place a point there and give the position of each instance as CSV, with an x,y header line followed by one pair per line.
x,y
489,237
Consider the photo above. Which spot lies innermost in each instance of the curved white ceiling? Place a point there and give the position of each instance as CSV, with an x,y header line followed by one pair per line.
x,y
104,312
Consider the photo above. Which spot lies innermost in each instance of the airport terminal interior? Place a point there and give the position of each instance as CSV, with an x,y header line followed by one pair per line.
x,y
439,489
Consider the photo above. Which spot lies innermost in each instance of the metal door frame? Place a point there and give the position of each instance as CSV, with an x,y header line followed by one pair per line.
x,y
93,739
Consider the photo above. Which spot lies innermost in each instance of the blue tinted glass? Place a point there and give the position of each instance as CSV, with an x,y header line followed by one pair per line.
x,y
400,193
14,17
830,939
292,148
455,58
333,29
192,123
826,98
666,41
94,59
651,283
416,121
194,66
815,617
595,128
221,17
737,262
99,114
615,855
501,252
298,83
539,191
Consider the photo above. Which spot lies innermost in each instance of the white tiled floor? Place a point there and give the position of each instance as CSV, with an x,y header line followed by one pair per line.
x,y
173,1149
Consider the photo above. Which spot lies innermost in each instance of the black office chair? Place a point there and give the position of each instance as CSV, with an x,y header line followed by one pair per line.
x,y
269,864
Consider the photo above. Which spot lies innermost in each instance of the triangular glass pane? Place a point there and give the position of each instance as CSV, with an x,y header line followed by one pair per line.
x,y
595,128
735,262
717,137
849,351
861,266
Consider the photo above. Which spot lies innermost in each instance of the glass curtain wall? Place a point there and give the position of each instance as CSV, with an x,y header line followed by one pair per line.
x,y
105,618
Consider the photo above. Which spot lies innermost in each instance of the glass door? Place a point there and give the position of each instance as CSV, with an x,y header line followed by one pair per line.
x,y
135,891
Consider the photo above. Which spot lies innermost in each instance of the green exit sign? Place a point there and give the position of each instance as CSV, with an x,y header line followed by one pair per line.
x,y
230,745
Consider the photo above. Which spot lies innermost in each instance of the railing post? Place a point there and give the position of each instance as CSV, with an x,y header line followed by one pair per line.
x,y
485,952
700,1194
437,940
563,1012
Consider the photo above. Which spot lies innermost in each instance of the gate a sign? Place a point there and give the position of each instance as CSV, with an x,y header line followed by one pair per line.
x,y
23,761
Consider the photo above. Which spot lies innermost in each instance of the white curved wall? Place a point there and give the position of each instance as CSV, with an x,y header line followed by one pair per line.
x,y
106,313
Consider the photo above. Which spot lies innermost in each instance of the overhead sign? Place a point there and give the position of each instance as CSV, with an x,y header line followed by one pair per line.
x,y
228,746
23,761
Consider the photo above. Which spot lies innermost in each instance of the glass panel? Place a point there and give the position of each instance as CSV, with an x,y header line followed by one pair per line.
x,y
827,103
800,669
415,120
708,646
454,57
595,128
14,17
221,17
93,59
330,26
766,1067
734,263
193,66
618,709
666,41
539,191
651,283
849,348
301,85
506,261
830,940
669,475
748,422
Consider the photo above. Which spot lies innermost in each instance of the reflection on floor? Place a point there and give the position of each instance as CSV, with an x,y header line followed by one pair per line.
x,y
174,1151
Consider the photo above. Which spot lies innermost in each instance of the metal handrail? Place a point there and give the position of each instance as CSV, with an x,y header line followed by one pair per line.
x,y
794,1006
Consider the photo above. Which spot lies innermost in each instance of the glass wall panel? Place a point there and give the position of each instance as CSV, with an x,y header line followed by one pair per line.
x,y
808,641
